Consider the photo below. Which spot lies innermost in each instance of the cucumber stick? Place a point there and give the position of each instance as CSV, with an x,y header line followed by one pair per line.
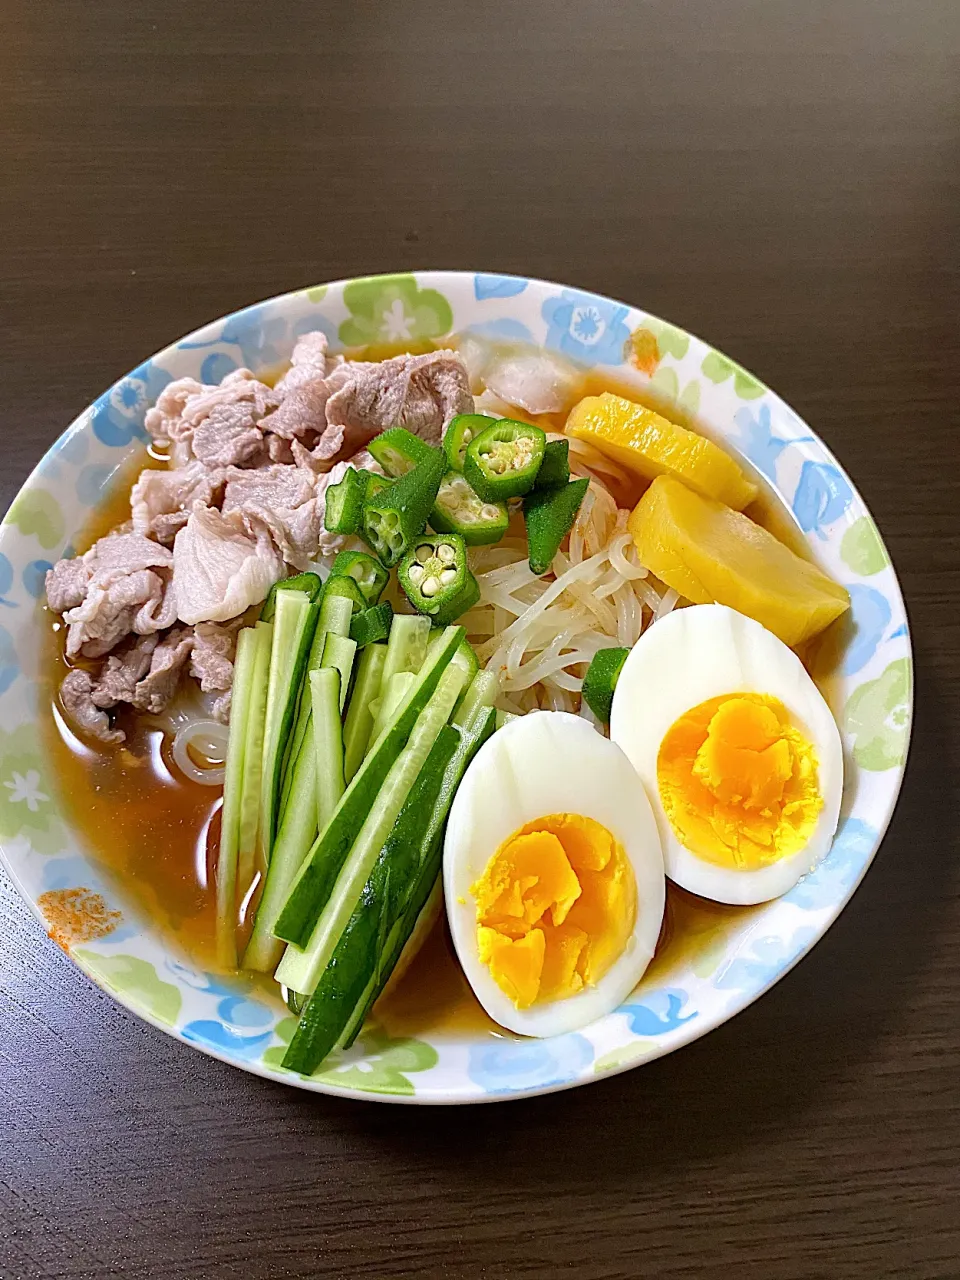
x,y
300,968
392,899
250,788
248,642
359,722
407,646
338,654
316,877
295,836
293,626
353,966
482,692
472,737
298,823
385,706
327,741
335,614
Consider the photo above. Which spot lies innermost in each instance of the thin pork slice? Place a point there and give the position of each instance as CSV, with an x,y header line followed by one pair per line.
x,y
160,501
154,691
220,567
211,661
421,393
76,694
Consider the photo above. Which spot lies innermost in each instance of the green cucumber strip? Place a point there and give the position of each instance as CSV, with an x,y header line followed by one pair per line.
x,y
317,876
247,642
295,838
293,629
298,824
359,721
308,583
301,966
386,705
327,740
504,718
339,652
464,657
354,963
407,646
483,691
427,872
335,614
253,758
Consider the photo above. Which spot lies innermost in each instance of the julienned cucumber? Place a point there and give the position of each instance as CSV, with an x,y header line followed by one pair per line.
x,y
339,652
297,828
472,737
327,741
359,721
354,962
247,644
300,969
250,786
293,627
335,614
390,903
407,646
386,705
318,874
295,837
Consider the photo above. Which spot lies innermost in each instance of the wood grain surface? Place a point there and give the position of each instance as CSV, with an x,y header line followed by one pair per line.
x,y
781,178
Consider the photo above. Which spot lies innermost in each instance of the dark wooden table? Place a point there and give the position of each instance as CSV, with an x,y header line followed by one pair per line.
x,y
780,178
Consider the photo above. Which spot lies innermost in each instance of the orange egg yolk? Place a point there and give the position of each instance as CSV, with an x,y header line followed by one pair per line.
x,y
556,905
738,781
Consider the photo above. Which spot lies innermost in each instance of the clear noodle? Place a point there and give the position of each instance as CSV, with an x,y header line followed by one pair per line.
x,y
539,634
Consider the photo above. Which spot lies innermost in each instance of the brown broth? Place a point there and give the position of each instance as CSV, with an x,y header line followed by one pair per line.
x,y
157,832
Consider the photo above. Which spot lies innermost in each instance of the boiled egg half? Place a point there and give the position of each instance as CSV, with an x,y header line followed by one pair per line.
x,y
553,875
737,749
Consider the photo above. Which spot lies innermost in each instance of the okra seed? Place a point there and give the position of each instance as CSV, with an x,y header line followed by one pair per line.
x,y
446,553
448,576
416,573
424,552
430,587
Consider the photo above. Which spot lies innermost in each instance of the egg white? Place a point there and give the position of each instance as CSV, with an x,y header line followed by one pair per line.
x,y
703,652
544,763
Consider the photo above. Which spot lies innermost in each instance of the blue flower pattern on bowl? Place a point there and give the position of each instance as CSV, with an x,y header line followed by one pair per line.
x,y
6,582
586,328
508,1066
838,870
661,1011
822,497
766,960
489,286
118,415
871,614
755,439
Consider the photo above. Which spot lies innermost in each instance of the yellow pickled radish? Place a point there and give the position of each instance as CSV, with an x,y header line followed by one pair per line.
x,y
650,445
713,555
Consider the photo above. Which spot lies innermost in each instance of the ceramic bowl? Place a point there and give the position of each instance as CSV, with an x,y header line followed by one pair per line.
x,y
725,964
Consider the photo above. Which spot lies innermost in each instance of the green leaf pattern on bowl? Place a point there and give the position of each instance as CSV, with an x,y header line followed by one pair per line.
x,y
388,309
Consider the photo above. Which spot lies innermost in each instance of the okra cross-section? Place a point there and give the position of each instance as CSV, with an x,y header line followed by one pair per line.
x,y
395,517
436,578
503,460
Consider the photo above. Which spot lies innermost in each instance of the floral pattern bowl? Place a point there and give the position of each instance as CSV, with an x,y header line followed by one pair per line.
x,y
725,966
